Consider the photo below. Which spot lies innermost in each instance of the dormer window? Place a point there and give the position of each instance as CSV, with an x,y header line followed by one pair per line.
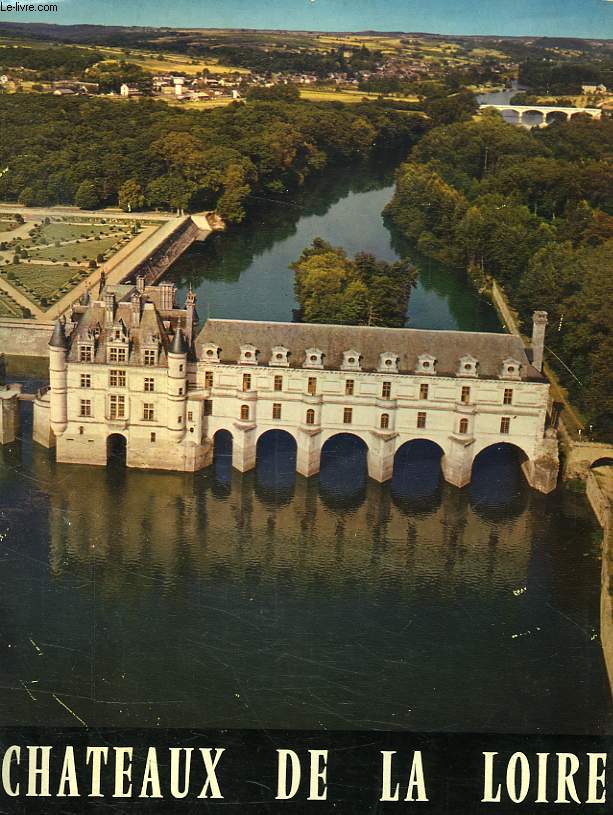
x,y
351,360
511,369
426,364
248,355
86,353
468,366
150,357
313,358
279,356
210,352
388,362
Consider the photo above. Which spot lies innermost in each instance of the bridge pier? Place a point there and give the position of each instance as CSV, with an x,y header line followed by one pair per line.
x,y
243,447
10,422
380,457
457,464
308,452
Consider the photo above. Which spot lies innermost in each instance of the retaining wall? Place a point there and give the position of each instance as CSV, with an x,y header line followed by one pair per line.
x,y
601,504
27,338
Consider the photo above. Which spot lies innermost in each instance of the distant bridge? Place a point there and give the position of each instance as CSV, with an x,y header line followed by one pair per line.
x,y
546,112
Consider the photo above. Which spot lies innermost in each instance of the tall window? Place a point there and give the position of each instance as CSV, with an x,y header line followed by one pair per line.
x,y
246,382
85,353
347,415
505,424
208,379
465,394
117,406
117,379
276,410
149,358
86,407
208,407
507,399
310,416
312,385
421,419
190,415
349,387
385,421
278,383
423,391
148,412
152,437
86,381
386,390
463,426
149,384
119,355
244,412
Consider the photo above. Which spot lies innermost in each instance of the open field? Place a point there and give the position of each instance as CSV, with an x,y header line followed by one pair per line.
x,y
50,233
167,63
42,284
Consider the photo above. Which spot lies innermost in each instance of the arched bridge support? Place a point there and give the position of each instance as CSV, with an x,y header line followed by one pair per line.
x,y
308,454
381,451
244,446
457,464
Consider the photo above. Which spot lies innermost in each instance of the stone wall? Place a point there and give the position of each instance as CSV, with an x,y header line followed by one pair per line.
x,y
25,337
601,505
504,310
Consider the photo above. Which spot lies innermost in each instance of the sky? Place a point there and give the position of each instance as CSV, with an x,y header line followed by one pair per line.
x,y
554,18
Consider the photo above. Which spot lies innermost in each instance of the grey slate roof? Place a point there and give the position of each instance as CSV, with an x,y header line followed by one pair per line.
x,y
448,347
58,337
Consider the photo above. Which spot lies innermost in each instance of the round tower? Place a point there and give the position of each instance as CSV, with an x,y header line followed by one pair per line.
x,y
58,350
177,385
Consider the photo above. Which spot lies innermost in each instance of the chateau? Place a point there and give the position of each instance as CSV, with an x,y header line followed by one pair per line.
x,y
131,372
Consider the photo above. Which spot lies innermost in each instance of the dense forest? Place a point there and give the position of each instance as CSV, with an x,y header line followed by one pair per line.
x,y
96,152
333,288
534,210
49,63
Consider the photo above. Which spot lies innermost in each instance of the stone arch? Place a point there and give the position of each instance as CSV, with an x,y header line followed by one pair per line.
x,y
497,479
116,449
603,461
553,116
343,473
417,478
223,442
275,465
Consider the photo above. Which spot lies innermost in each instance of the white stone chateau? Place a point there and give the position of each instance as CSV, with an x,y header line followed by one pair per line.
x,y
131,371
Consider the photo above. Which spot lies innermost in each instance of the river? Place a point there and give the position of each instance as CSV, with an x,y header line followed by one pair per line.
x,y
268,600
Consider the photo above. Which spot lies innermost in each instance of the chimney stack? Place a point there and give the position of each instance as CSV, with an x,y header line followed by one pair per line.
x,y
539,323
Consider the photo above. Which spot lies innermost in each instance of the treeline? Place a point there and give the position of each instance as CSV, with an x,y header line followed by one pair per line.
x,y
96,152
533,210
49,63
560,77
333,288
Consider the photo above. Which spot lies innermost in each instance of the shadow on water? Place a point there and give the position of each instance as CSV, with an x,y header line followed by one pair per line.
x,y
343,472
222,463
417,479
275,472
498,488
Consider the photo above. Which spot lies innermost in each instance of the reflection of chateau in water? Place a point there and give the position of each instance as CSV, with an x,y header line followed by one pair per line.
x,y
257,527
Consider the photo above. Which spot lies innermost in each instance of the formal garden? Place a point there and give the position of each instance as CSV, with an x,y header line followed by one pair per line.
x,y
54,256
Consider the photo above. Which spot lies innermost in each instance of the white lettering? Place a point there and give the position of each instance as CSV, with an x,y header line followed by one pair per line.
x,y
13,752
151,777
68,776
489,796
123,772
97,756
318,788
36,772
175,755
211,778
596,777
283,792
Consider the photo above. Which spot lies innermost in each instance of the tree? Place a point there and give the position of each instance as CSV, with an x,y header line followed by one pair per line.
x,y
332,288
131,196
86,196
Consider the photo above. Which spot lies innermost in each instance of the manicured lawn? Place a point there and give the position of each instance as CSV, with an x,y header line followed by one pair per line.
x,y
85,250
42,283
8,307
50,233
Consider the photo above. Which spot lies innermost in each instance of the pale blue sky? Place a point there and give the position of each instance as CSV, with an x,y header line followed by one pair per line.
x,y
579,18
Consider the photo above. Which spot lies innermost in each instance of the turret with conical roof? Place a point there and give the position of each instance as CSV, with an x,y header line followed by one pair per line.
x,y
58,338
178,345
58,397
177,385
